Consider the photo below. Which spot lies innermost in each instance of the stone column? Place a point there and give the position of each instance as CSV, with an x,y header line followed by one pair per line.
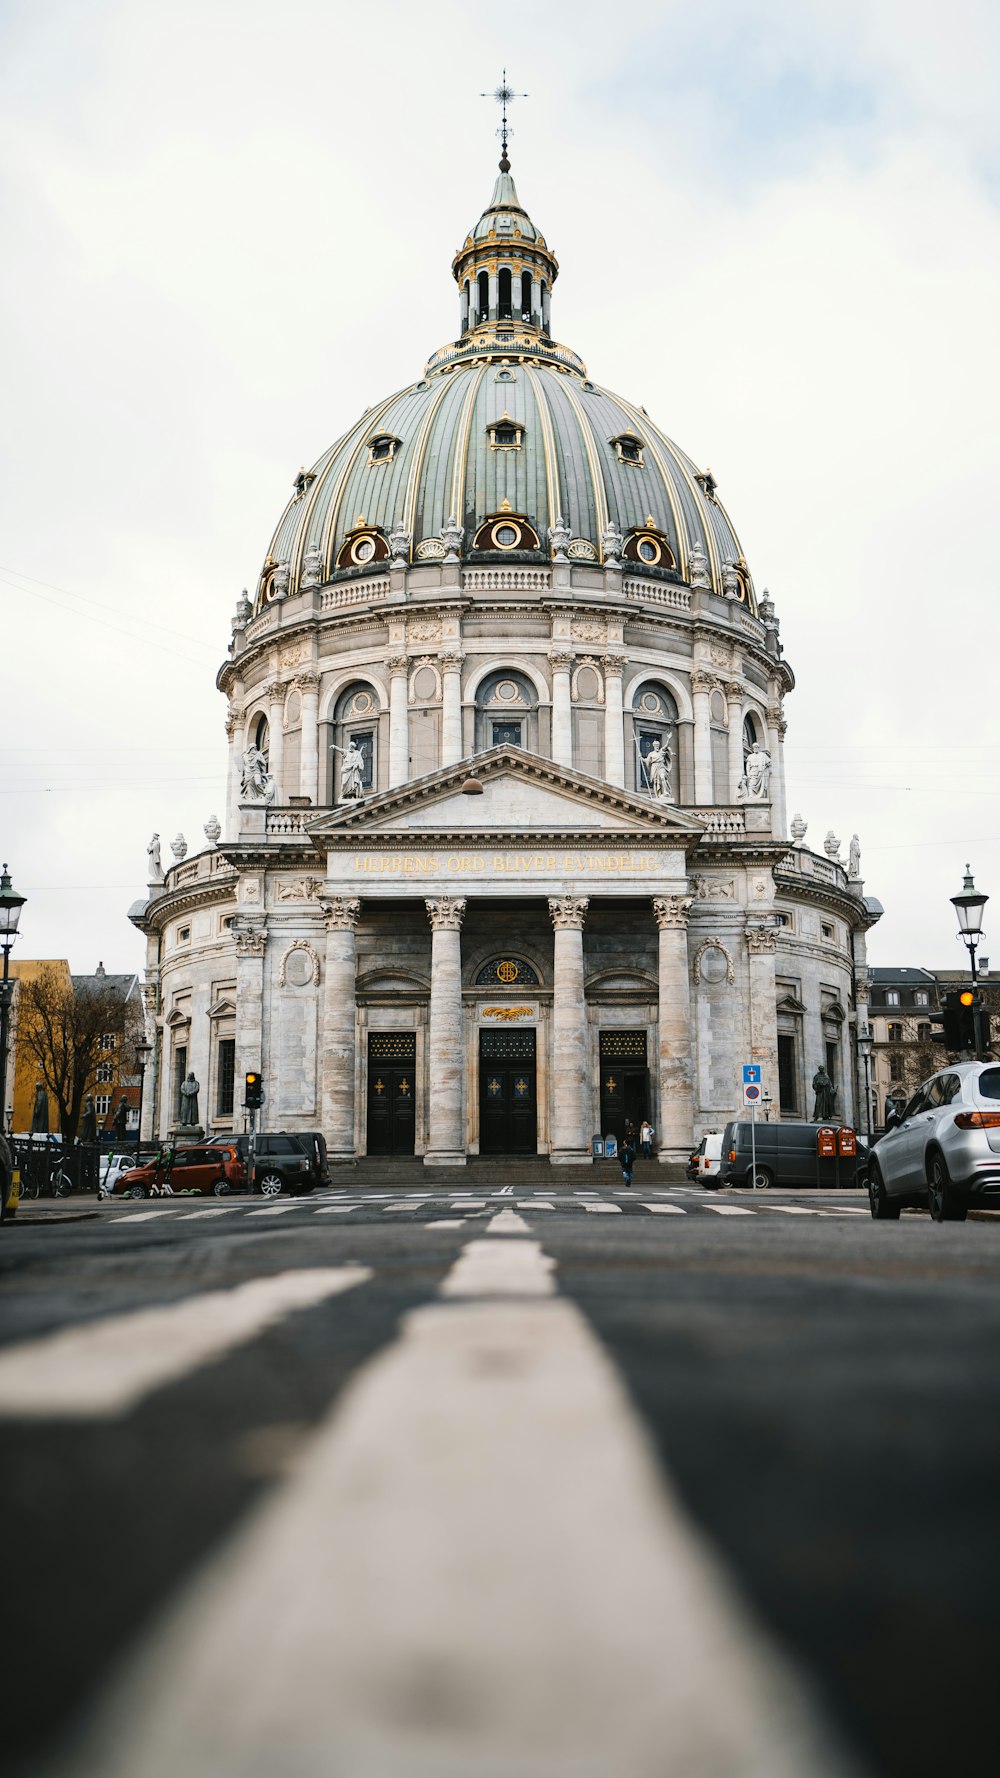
x,y
775,747
560,660
446,1072
570,1121
675,1133
308,687
614,722
734,712
250,937
451,705
761,942
234,735
276,739
701,689
339,1063
399,737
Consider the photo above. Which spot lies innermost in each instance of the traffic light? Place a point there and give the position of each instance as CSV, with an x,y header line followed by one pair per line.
x,y
975,1021
254,1096
950,1021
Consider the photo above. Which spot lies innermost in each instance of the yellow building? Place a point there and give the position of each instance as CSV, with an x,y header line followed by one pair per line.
x,y
22,1069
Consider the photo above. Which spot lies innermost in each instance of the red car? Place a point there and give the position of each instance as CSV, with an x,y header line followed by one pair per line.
x,y
215,1170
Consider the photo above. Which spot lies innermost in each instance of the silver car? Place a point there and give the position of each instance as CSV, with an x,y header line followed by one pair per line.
x,y
943,1149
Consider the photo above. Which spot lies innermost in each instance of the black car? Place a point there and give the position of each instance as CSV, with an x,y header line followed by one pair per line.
x,y
283,1160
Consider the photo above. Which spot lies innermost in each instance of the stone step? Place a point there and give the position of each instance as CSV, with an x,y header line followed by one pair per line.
x,y
482,1171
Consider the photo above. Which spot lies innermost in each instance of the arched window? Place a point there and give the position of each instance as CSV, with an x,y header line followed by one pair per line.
x,y
262,735
484,297
752,731
466,300
507,972
507,712
504,309
654,724
543,304
525,296
356,721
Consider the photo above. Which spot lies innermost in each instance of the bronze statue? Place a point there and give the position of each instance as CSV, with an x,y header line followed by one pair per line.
x,y
826,1094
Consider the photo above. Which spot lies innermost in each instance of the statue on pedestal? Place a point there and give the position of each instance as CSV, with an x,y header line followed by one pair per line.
x,y
121,1119
257,785
657,763
190,1088
758,773
154,871
40,1112
826,1094
88,1122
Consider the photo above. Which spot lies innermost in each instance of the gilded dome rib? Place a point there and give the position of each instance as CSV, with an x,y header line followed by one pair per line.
x,y
548,446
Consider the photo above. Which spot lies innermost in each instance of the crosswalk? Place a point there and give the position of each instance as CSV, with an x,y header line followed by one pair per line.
x,y
445,1211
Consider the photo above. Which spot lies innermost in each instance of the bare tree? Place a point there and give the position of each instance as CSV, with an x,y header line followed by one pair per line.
x,y
63,1027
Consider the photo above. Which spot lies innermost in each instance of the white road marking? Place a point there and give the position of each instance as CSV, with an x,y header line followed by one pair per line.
x,y
730,1210
468,1204
140,1216
453,1222
216,1210
536,1204
105,1367
500,1268
274,1210
337,1209
407,1204
664,1209
507,1222
792,1209
615,1207
475,1569
506,1191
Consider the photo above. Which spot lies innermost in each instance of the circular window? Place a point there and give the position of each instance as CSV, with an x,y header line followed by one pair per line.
x,y
361,703
363,550
505,536
648,550
650,701
507,690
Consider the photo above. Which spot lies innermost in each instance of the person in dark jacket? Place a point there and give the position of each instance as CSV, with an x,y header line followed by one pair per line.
x,y
626,1156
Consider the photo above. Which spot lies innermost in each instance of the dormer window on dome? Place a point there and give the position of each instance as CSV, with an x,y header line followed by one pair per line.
x,y
506,531
628,449
649,546
382,448
505,434
363,547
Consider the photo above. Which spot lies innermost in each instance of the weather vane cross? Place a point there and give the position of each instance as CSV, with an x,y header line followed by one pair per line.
x,y
504,94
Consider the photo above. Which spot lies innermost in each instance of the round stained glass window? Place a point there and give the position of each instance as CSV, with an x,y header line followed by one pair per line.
x,y
505,536
364,549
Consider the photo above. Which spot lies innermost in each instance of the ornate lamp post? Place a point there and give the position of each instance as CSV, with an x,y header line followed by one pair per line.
x,y
968,905
865,1052
143,1051
10,912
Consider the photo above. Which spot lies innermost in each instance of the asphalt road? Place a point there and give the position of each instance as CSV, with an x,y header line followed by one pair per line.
x,y
546,1485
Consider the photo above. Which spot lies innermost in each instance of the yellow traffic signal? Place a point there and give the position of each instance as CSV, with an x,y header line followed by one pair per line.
x,y
967,997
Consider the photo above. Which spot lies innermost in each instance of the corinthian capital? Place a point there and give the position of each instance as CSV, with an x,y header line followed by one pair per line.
x,y
306,681
568,910
446,912
451,659
342,913
251,941
760,939
614,665
702,682
671,910
397,663
561,659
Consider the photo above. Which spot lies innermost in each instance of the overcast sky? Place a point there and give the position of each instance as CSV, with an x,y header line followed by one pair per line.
x,y
227,231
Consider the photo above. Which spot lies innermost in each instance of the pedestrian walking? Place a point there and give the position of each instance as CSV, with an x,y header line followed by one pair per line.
x,y
626,1155
646,1134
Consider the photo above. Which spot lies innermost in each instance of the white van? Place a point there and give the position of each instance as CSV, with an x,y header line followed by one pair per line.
x,y
706,1160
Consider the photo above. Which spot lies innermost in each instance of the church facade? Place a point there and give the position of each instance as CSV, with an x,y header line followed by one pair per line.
x,y
506,857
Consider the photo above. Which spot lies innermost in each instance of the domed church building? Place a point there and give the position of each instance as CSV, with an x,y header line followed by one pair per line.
x,y
506,858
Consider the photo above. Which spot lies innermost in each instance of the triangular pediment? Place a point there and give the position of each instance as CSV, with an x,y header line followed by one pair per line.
x,y
522,794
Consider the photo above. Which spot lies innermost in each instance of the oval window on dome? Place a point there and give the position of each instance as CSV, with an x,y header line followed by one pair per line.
x,y
505,536
364,549
648,550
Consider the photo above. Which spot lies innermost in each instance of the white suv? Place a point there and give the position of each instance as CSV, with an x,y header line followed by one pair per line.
x,y
943,1149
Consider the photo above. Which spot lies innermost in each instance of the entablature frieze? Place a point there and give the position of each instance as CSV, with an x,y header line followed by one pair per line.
x,y
189,900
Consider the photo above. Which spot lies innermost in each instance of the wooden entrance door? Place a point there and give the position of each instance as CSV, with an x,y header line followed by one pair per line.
x,y
508,1122
624,1081
391,1091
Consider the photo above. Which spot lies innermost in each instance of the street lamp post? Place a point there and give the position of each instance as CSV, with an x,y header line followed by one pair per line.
x,y
865,1052
968,905
10,912
143,1051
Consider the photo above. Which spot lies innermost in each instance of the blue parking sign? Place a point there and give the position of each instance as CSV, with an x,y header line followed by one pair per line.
x,y
751,1074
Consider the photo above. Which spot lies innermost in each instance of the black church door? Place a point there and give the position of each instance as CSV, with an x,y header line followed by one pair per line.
x,y
508,1121
391,1091
624,1081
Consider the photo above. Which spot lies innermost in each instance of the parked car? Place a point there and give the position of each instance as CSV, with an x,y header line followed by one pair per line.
x,y
284,1160
112,1167
208,1169
943,1148
706,1160
790,1154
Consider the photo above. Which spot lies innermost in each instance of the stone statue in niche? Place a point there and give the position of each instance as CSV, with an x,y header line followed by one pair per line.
x,y
826,1094
257,785
657,763
757,767
352,773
